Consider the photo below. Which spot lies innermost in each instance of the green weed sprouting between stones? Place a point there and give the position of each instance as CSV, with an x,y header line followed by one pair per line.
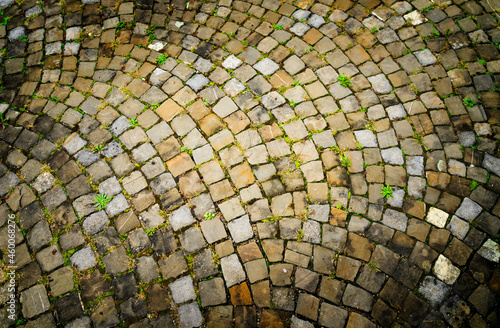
x,y
133,122
387,191
344,160
300,235
150,32
345,81
98,148
469,102
186,149
426,9
473,185
3,121
102,200
209,216
161,59
5,19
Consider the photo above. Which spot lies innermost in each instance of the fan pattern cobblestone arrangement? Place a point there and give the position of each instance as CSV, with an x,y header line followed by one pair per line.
x,y
240,149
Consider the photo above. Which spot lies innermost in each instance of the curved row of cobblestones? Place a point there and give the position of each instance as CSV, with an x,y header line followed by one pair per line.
x,y
256,163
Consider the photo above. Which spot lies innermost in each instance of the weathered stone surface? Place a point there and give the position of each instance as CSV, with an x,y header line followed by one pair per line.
x,y
358,298
251,140
232,270
181,218
182,290
433,290
212,292
395,219
437,217
83,259
445,270
35,301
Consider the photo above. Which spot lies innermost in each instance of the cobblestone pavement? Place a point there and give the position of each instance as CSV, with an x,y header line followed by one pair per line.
x,y
250,163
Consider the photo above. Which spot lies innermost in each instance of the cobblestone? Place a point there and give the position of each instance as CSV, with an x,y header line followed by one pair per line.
x,y
175,110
